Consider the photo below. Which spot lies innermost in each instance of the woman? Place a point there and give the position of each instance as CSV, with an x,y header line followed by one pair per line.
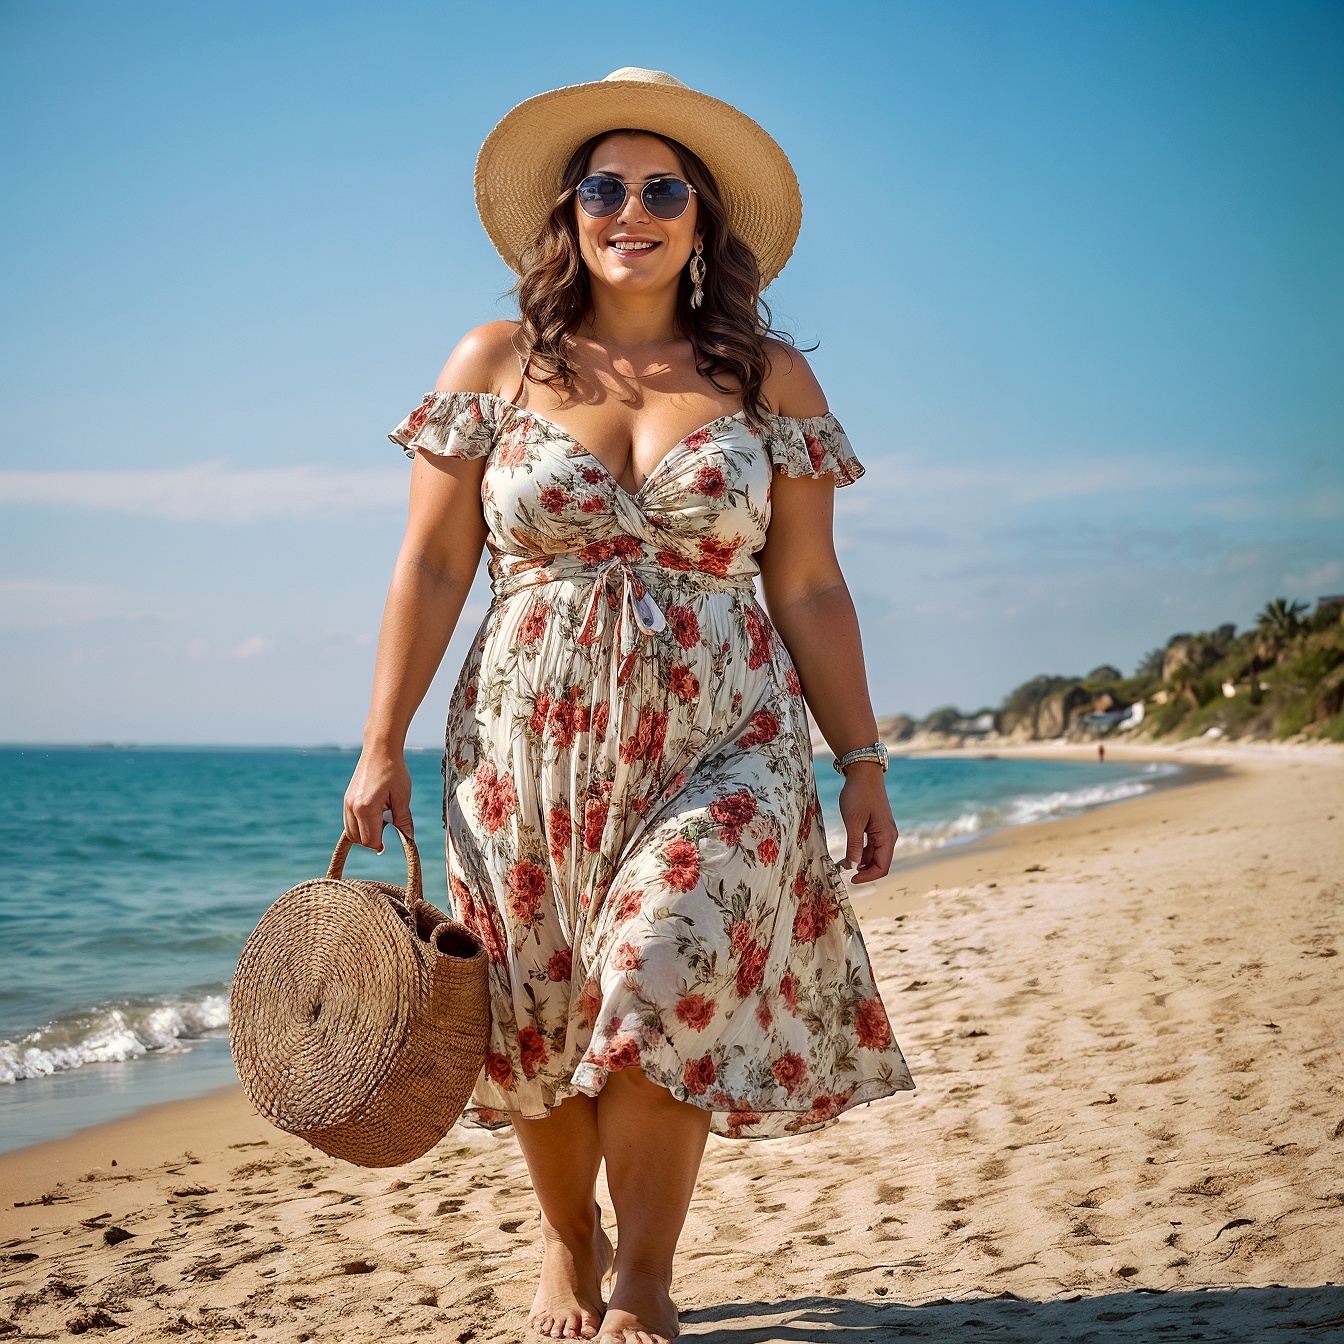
x,y
633,826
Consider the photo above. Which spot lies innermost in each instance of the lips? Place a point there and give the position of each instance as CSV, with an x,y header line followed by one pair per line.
x,y
634,247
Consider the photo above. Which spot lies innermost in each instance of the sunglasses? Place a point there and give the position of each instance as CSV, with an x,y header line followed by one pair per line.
x,y
602,195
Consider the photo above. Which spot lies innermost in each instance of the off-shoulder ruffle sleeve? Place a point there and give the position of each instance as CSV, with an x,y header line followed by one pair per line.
x,y
813,445
449,424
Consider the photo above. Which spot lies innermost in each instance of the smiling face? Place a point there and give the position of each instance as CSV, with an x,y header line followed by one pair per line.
x,y
632,250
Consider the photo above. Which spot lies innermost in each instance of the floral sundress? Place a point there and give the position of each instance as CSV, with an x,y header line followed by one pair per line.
x,y
632,821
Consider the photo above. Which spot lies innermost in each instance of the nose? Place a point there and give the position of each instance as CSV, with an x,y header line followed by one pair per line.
x,y
632,208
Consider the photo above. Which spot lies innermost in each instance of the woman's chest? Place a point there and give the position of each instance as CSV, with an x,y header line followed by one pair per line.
x,y
548,492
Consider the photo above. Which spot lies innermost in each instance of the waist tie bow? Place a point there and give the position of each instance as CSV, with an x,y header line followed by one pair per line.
x,y
636,612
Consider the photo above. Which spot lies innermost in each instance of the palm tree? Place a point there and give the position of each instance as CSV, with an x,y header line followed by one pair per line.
x,y
1281,619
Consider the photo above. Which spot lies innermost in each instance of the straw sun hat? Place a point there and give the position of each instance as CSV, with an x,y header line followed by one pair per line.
x,y
519,168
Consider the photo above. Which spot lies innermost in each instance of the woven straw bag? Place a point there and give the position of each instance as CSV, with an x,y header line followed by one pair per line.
x,y
359,1015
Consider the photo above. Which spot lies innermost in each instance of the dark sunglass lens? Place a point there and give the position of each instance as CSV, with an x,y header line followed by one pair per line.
x,y
667,197
601,196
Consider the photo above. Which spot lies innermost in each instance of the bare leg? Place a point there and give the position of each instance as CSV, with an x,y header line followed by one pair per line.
x,y
563,1156
653,1144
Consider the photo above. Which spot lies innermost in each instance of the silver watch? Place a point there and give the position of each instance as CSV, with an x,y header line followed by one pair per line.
x,y
877,752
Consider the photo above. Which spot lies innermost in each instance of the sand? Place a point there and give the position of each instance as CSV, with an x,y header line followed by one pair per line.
x,y
1128,1125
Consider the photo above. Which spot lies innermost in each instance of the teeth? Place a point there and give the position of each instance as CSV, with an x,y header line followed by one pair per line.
x,y
632,247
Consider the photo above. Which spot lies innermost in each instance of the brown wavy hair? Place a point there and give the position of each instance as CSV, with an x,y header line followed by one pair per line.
x,y
727,332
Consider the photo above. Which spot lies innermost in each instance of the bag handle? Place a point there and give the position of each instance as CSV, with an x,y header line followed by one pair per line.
x,y
415,895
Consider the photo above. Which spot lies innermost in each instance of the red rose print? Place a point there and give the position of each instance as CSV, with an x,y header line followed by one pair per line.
x,y
671,560
740,1120
592,504
589,1003
698,1075
698,439
646,742
750,968
685,625
758,634
709,481
479,916
685,684
510,450
792,682
532,1052
597,552
632,902
739,934
559,832
500,1070
527,885
764,1017
568,718
696,1011
594,823
768,851
541,708
683,864
626,958
555,498
469,695
495,797
815,452
675,785
561,965
622,1053
790,1072
416,420
788,991
733,812
816,908
533,625
592,474
600,712
627,547
764,728
871,1025
716,556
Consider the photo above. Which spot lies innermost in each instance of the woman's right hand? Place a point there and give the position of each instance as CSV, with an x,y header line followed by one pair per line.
x,y
381,783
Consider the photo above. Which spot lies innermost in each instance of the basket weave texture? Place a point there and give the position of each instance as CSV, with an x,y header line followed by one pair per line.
x,y
359,1015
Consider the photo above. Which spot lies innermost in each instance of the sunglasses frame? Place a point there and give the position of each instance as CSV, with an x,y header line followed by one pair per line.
x,y
643,187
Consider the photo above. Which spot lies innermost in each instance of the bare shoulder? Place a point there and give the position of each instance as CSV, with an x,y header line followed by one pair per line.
x,y
483,361
791,387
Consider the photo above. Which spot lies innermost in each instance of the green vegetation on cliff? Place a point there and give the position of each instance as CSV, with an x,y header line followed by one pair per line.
x,y
1282,679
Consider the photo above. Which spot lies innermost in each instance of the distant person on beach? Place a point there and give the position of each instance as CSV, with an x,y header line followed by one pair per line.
x,y
633,824
1101,752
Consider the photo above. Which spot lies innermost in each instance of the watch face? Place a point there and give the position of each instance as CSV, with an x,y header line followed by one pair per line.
x,y
882,754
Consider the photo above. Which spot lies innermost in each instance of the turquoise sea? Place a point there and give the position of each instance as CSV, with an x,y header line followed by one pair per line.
x,y
130,879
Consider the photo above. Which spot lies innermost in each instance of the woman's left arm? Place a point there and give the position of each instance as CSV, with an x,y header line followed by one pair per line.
x,y
810,606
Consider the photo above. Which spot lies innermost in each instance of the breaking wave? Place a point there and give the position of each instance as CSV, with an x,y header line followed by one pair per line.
x,y
113,1032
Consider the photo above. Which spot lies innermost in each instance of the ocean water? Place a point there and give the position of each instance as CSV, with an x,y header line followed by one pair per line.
x,y
130,879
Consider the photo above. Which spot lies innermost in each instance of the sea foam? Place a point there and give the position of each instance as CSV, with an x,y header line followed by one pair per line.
x,y
113,1032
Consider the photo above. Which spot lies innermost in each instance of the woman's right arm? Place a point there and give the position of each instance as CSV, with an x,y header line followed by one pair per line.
x,y
445,532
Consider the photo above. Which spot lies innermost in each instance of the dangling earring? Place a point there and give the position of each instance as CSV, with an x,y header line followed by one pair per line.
x,y
697,276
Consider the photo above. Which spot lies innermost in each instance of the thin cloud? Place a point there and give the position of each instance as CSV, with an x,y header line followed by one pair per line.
x,y
211,491
44,604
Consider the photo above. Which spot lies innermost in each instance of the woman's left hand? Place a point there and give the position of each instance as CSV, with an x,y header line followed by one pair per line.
x,y
866,812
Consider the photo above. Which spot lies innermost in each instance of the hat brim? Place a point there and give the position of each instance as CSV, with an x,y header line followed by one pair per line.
x,y
519,168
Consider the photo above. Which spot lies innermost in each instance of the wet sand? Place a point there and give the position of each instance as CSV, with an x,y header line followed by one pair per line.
x,y
1128,1125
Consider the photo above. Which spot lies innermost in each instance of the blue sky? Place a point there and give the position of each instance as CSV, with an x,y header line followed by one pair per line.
x,y
1074,267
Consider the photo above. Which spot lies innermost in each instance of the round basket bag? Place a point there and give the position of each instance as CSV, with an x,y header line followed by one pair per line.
x,y
359,1015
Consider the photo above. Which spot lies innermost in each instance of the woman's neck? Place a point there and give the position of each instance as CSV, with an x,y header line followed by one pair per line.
x,y
633,319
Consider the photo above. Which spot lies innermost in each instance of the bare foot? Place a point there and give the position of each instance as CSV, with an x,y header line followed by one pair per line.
x,y
641,1311
568,1304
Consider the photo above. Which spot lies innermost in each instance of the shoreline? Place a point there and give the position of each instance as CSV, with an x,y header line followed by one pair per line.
x,y
922,871
1122,1029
